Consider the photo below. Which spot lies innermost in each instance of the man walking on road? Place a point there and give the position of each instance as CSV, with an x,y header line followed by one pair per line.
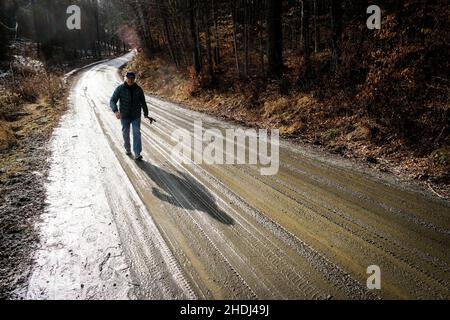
x,y
132,102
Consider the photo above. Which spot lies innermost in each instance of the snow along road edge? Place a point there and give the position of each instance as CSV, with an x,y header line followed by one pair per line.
x,y
92,206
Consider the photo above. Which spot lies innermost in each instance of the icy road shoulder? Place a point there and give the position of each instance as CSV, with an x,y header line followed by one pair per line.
x,y
91,204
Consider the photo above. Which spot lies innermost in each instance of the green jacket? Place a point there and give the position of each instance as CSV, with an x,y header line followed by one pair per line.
x,y
132,101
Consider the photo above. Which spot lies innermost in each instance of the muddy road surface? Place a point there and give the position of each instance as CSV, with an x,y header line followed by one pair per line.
x,y
162,229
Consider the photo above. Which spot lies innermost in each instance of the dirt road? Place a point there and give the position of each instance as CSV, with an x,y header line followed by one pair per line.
x,y
165,230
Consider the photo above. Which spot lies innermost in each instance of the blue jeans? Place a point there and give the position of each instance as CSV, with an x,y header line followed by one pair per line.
x,y
137,140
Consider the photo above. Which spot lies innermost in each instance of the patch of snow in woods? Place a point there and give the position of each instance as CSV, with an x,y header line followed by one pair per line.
x,y
21,61
4,74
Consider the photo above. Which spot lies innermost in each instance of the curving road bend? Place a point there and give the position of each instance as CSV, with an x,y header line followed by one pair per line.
x,y
161,229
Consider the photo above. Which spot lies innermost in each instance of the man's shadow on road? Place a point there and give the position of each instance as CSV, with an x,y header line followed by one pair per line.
x,y
184,191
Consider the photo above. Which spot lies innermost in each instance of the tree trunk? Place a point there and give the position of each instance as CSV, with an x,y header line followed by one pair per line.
x,y
195,41
216,35
246,40
336,27
275,37
236,52
169,42
209,49
316,28
306,36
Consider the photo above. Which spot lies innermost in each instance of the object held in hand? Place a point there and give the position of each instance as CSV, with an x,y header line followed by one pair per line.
x,y
151,120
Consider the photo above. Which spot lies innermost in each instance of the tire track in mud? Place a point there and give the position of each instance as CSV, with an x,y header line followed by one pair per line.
x,y
376,239
393,254
275,261
363,197
386,193
411,256
402,253
271,226
438,263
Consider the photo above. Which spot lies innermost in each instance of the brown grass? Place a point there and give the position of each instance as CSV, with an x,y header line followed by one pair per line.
x,y
7,138
27,104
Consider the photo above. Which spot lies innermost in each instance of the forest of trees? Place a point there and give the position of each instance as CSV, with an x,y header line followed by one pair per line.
x,y
396,76
44,22
257,35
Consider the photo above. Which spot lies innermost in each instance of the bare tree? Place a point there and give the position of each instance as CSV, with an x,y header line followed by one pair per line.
x,y
274,13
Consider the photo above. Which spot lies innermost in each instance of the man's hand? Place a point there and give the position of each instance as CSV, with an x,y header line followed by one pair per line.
x,y
118,115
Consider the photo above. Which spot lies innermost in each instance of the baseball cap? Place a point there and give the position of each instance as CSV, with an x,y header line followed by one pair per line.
x,y
131,75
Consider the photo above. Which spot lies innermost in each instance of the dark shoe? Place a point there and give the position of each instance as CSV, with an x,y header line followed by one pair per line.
x,y
140,158
128,153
